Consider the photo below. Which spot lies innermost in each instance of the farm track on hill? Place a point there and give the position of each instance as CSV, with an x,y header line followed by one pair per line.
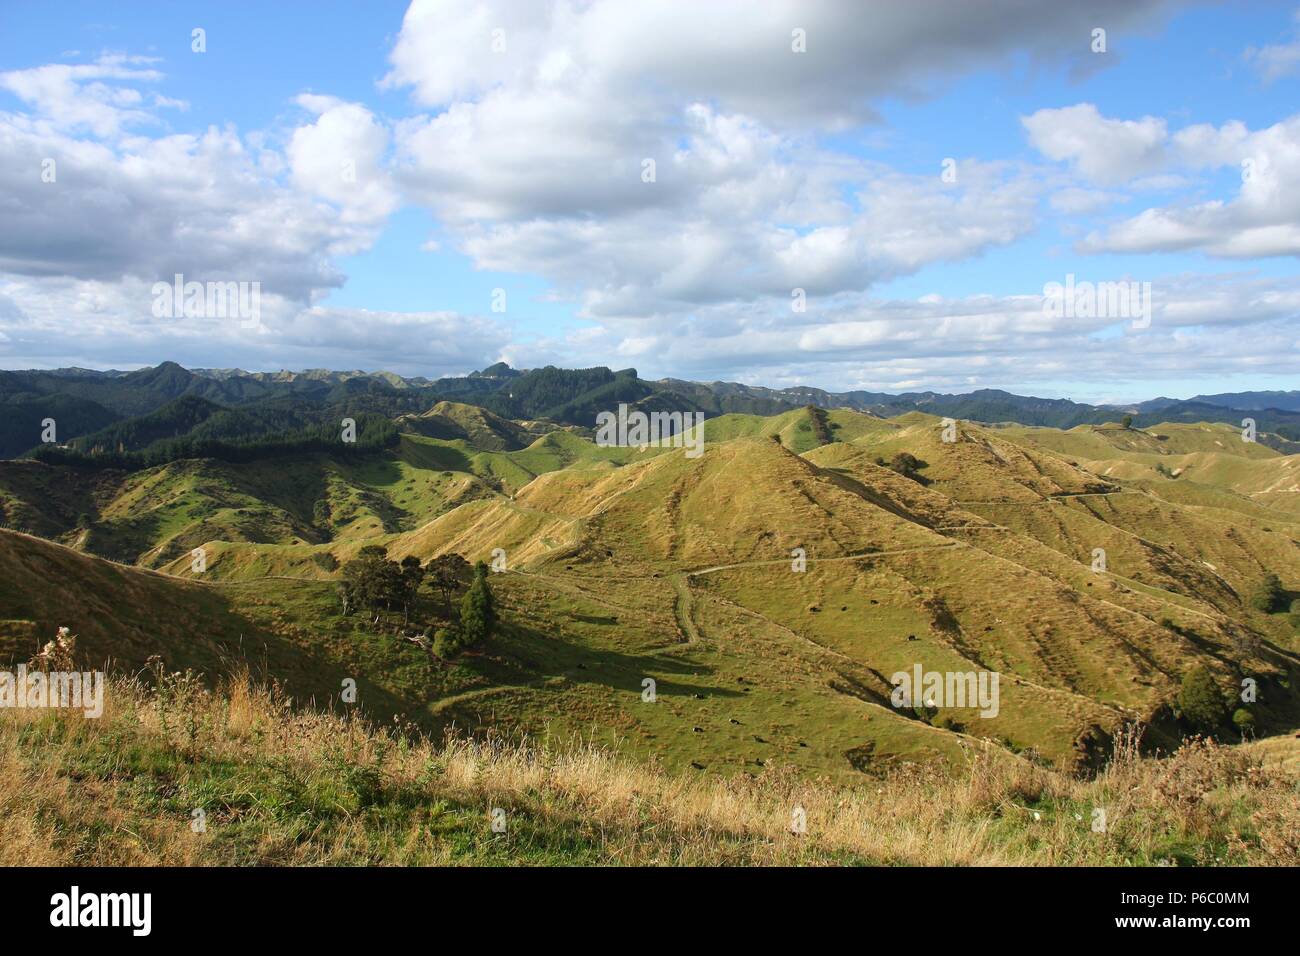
x,y
865,556
682,607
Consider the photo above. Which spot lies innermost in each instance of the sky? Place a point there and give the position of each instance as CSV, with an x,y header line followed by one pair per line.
x,y
839,193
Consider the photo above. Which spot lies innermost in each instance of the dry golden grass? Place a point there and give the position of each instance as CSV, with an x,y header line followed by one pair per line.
x,y
289,787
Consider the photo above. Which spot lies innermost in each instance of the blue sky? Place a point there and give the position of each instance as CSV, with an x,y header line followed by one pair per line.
x,y
517,167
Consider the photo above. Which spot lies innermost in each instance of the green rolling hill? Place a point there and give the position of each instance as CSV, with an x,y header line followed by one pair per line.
x,y
634,563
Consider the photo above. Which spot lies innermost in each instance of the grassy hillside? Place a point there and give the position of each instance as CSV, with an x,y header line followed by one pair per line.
x,y
124,616
276,786
976,554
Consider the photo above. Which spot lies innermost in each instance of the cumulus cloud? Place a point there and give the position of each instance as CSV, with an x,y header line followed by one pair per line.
x,y
1261,220
47,321
546,118
1106,151
148,208
1075,200
529,143
101,201
339,158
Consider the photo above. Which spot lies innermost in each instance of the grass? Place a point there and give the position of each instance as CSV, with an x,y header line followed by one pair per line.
x,y
276,785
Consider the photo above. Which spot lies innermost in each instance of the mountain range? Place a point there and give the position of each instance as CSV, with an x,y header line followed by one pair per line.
x,y
85,403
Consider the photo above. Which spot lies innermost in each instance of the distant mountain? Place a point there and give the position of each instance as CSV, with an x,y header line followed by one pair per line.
x,y
178,417
84,401
499,370
1284,401
22,416
310,375
451,421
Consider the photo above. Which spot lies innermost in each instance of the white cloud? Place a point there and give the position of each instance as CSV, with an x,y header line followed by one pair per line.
x,y
1106,151
546,113
531,160
85,96
1220,324
340,157
735,52
535,160
101,202
1074,200
1263,219
148,208
97,192
57,321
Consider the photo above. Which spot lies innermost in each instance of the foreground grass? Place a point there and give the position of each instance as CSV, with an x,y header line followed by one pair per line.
x,y
283,787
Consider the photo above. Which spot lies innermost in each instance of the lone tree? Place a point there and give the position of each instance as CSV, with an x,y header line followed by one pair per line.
x,y
478,615
1126,421
1200,701
1270,596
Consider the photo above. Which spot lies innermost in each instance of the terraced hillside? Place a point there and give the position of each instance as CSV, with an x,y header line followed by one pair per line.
x,y
770,588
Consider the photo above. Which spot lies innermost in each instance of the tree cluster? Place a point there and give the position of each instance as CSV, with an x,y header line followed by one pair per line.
x,y
374,583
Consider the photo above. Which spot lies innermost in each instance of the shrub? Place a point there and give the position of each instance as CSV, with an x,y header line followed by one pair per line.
x,y
1244,721
909,466
447,642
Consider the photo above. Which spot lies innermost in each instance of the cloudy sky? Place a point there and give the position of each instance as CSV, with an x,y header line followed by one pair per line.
x,y
843,194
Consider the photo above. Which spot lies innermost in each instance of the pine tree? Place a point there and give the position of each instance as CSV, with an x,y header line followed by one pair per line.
x,y
477,609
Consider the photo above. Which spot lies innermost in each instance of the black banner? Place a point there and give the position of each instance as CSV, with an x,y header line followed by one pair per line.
x,y
339,905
